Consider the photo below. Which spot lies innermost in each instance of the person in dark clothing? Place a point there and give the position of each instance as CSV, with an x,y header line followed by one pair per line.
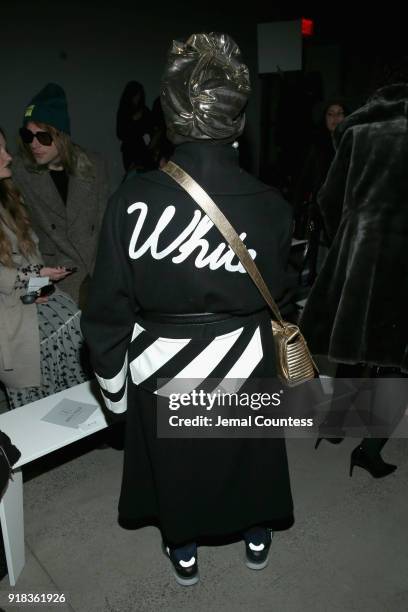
x,y
321,152
356,312
308,220
9,455
134,127
170,301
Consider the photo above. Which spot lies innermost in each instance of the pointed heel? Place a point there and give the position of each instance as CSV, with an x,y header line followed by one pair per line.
x,y
373,464
318,442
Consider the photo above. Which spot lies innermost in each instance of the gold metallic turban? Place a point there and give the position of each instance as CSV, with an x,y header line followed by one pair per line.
x,y
205,88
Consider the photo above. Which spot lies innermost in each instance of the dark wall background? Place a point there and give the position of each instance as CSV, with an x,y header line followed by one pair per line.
x,y
93,49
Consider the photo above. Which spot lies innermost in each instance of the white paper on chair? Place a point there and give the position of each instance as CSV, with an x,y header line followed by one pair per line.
x,y
69,413
95,421
36,282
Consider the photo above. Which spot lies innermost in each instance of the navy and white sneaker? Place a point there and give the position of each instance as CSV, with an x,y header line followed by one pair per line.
x,y
184,561
257,544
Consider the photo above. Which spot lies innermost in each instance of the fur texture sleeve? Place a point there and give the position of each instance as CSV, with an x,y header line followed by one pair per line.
x,y
331,195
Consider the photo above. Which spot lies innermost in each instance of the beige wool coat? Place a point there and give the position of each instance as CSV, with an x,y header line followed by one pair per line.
x,y
68,234
19,334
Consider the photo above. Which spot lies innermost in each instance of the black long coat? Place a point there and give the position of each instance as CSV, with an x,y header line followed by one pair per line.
x,y
159,253
357,309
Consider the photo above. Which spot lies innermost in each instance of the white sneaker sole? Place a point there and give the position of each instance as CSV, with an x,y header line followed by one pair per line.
x,y
180,581
186,581
257,566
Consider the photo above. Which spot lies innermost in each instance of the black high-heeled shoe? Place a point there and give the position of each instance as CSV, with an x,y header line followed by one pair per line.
x,y
331,440
374,464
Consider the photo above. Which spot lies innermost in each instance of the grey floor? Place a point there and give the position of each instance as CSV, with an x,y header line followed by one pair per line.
x,y
348,549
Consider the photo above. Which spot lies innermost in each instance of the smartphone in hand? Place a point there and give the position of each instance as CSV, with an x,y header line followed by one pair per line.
x,y
73,269
46,290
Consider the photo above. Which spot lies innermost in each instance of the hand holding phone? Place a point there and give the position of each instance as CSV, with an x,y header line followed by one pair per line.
x,y
40,296
55,274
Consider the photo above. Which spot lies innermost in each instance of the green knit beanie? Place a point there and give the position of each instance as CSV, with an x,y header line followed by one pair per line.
x,y
50,107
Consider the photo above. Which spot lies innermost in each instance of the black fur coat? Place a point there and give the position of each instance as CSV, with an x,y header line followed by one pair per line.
x,y
357,311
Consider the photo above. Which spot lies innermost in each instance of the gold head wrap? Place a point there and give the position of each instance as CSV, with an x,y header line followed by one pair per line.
x,y
205,88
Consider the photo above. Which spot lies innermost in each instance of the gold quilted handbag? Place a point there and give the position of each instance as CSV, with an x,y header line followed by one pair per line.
x,y
294,361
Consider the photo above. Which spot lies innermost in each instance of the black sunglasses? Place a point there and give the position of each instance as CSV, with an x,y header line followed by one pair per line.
x,y
27,136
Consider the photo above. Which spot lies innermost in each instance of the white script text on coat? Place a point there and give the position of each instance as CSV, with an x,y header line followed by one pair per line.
x,y
190,239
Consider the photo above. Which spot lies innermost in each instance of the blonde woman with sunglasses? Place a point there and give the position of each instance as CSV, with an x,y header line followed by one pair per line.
x,y
64,186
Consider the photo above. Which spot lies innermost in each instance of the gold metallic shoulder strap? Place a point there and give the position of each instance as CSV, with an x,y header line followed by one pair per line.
x,y
221,222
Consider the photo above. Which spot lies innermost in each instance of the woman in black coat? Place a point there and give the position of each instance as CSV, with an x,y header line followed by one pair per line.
x,y
356,313
170,302
308,220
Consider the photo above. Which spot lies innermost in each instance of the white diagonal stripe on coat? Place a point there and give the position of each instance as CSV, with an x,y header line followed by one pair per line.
x,y
115,384
155,356
137,330
244,366
118,406
202,365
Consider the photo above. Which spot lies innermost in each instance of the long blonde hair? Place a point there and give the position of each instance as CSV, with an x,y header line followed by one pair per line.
x,y
17,220
64,146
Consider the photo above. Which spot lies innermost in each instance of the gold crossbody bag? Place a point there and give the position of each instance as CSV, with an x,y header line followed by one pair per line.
x,y
294,361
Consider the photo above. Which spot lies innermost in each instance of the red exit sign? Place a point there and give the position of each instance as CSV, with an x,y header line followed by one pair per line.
x,y
307,27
